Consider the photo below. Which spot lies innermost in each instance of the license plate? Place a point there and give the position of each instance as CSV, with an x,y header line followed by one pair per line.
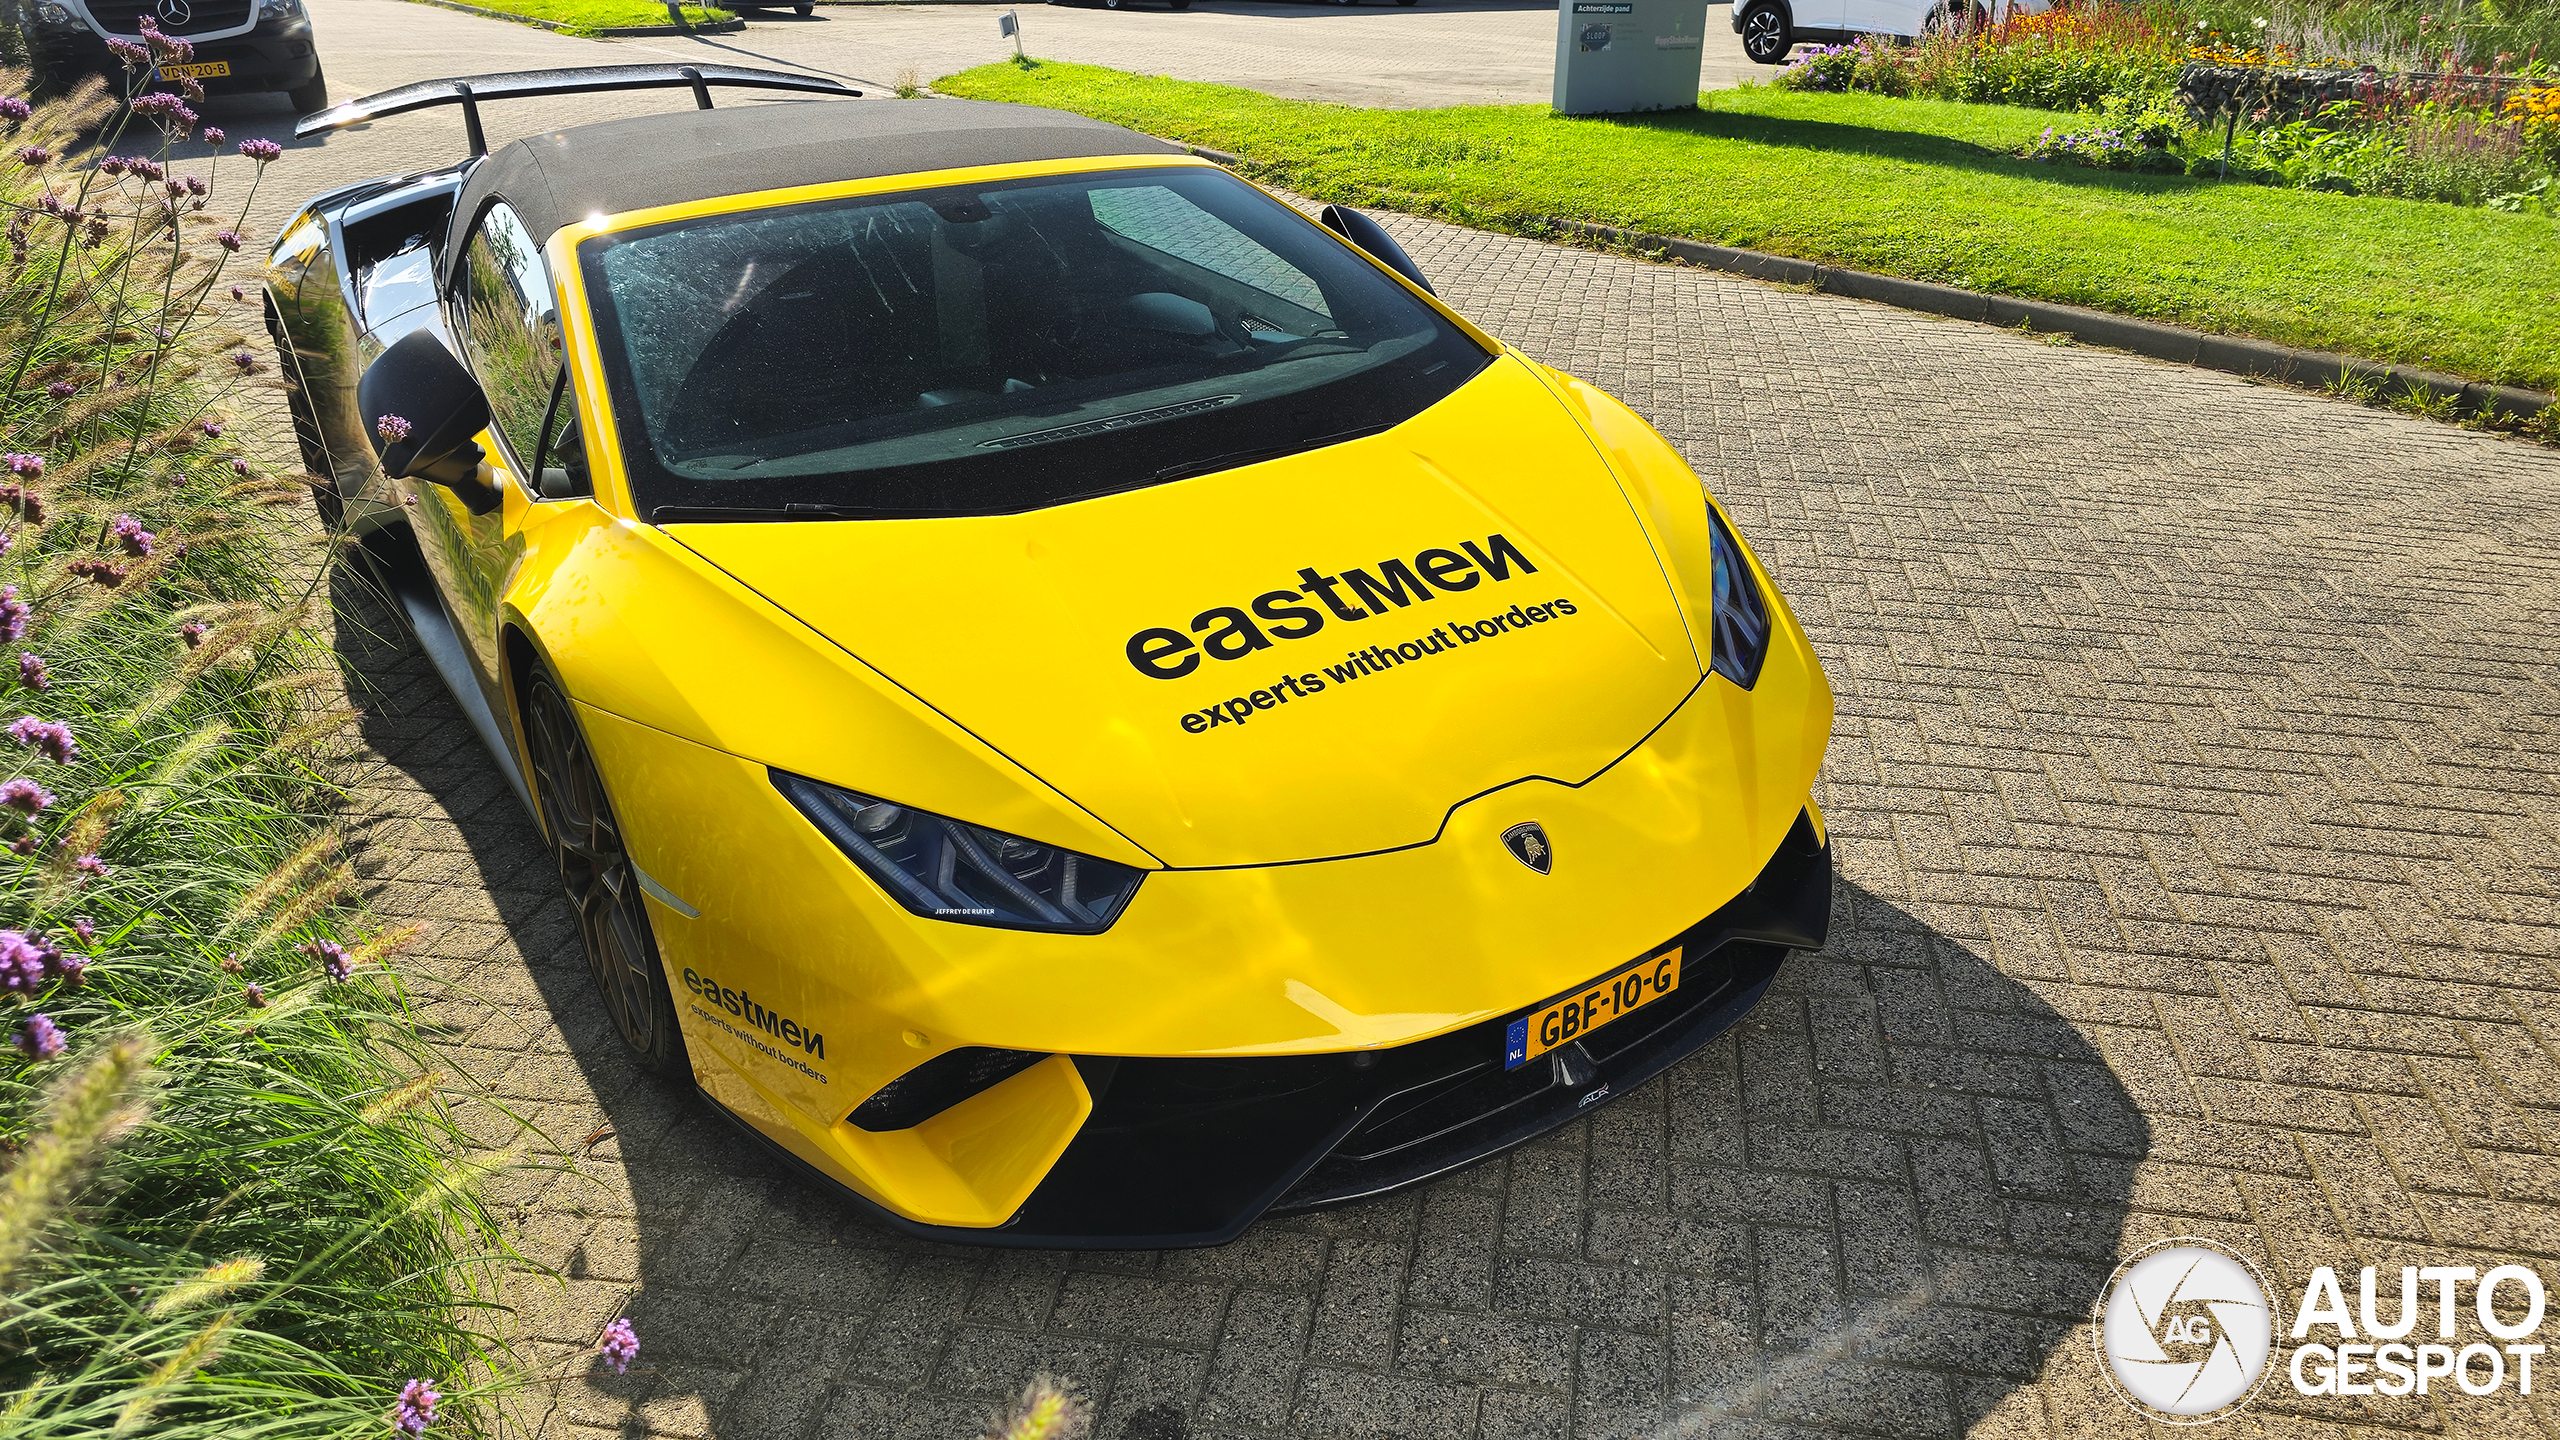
x,y
201,70
1591,1007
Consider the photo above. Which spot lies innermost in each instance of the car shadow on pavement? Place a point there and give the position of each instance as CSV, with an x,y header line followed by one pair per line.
x,y
1880,1203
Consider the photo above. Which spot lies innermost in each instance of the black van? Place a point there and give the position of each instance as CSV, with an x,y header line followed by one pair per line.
x,y
241,46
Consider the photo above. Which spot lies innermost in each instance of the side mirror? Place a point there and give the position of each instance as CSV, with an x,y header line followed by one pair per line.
x,y
418,382
1372,237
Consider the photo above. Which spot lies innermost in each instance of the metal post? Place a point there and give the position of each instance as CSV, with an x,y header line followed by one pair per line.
x,y
701,91
471,121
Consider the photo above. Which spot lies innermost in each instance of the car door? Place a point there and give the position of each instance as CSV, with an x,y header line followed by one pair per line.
x,y
1884,17
504,317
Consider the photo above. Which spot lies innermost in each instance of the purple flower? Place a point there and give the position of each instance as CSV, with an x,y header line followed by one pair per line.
x,y
23,845
39,1037
211,428
239,467
97,571
196,186
34,157
332,957
213,135
247,363
22,962
143,168
91,865
31,671
391,428
129,533
113,165
50,736
25,796
192,632
227,239
255,994
62,389
13,109
261,151
85,928
28,466
620,1346
239,294
417,1407
134,56
13,613
170,111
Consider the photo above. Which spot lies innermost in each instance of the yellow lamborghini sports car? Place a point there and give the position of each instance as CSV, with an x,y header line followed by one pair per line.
x,y
1081,705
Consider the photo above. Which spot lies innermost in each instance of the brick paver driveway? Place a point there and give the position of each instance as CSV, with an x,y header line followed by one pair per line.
x,y
2193,795
2195,818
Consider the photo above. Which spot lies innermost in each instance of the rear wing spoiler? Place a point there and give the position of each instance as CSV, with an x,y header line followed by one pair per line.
x,y
469,90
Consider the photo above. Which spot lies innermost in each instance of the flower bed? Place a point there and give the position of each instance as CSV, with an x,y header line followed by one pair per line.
x,y
233,1202
2169,95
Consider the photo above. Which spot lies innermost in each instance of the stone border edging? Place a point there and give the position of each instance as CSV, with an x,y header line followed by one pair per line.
x,y
2238,355
609,32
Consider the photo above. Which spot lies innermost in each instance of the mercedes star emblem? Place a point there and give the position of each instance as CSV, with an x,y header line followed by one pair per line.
x,y
176,12
1527,842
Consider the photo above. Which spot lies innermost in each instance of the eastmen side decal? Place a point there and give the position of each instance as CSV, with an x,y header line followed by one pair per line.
x,y
1227,632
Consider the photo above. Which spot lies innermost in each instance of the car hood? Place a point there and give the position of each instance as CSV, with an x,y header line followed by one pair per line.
x,y
1085,641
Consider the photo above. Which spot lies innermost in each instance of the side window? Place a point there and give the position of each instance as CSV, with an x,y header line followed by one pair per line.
x,y
510,330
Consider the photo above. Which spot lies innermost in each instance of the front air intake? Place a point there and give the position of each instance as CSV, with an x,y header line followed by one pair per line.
x,y
938,1084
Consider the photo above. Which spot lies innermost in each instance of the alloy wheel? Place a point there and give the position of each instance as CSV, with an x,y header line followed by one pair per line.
x,y
597,876
1764,35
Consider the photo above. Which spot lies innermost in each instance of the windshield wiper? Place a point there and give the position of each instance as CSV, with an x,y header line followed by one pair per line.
x,y
678,514
1230,459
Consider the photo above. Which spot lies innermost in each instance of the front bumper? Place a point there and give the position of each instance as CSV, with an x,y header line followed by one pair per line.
x,y
1189,1152
272,57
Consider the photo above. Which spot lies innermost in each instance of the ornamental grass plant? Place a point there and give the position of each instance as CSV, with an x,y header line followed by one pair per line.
x,y
232,1201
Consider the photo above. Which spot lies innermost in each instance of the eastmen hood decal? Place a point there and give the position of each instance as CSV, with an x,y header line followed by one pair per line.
x,y
1076,639
1227,633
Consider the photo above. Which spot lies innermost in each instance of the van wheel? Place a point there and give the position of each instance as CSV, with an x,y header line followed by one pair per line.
x,y
309,97
1766,36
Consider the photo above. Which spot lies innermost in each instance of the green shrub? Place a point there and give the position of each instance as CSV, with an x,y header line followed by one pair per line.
x,y
2120,134
233,1202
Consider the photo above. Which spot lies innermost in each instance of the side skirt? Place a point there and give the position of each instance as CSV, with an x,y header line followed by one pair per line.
x,y
390,558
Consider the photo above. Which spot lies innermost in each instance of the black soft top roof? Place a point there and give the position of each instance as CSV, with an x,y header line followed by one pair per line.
x,y
670,159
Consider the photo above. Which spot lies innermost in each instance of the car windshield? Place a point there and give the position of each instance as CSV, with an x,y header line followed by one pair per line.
x,y
995,348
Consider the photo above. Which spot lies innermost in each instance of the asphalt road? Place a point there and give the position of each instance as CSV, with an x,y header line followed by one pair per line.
x,y
2197,812
1442,52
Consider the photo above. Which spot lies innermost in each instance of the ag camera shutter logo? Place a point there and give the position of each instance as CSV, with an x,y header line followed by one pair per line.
x,y
2184,1330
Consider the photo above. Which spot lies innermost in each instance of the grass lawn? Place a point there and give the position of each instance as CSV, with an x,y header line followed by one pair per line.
x,y
591,15
1920,188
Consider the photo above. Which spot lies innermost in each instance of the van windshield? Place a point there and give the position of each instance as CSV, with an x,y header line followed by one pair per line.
x,y
996,348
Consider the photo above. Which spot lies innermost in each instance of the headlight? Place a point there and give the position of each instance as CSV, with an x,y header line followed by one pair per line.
x,y
1742,617
279,9
951,870
50,13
